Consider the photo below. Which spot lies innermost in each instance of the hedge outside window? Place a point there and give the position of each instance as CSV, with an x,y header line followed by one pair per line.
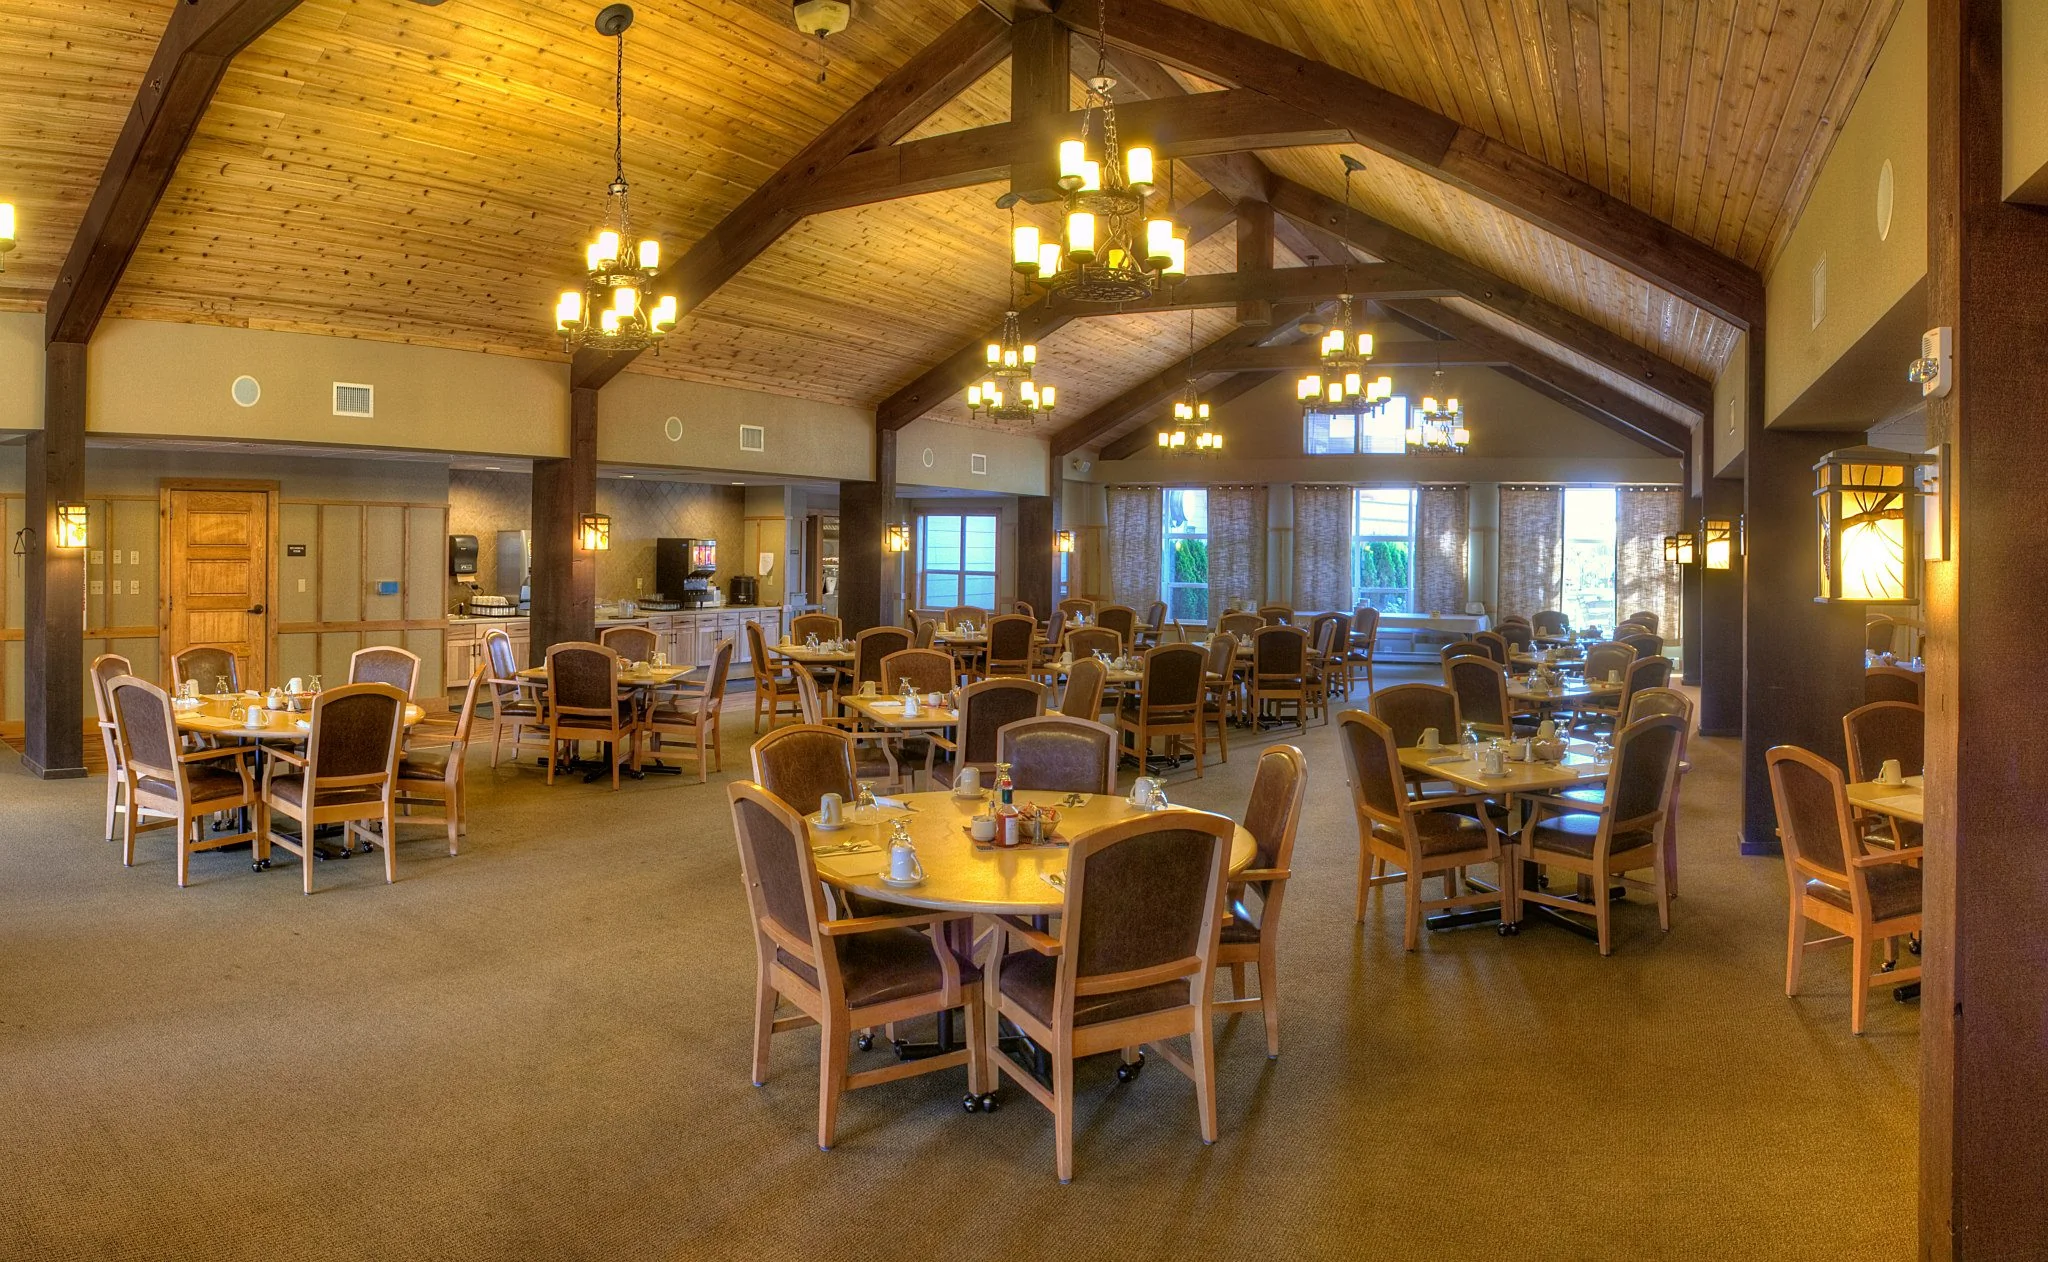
x,y
1185,567
1383,548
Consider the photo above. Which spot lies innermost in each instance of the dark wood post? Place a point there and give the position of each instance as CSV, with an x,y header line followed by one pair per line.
x,y
1254,255
866,570
1036,560
53,579
1983,1144
564,575
1721,621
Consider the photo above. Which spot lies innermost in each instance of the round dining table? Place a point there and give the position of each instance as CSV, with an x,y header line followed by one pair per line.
x,y
213,717
961,876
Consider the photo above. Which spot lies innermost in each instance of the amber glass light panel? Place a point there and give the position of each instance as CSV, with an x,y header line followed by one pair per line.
x,y
896,537
594,533
1869,527
1720,544
71,525
1063,541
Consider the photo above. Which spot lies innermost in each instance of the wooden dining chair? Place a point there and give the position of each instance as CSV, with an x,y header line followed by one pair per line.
x,y
385,664
1276,615
959,614
347,775
1365,635
1873,734
1409,710
1011,640
805,625
1880,635
1154,626
1133,963
106,668
774,690
1168,705
842,975
1648,621
1274,813
1089,641
1280,672
1643,704
928,670
1495,644
984,709
1121,619
869,648
632,644
1418,837
1467,647
1892,683
431,767
1645,643
1076,605
1550,624
1864,897
1242,625
927,632
1640,675
1520,639
1055,632
206,665
1059,754
515,703
1606,659
1086,680
584,705
179,787
1481,685
690,717
1219,689
1619,834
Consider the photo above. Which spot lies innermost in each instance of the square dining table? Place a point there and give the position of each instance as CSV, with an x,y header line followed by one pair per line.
x,y
1906,800
885,714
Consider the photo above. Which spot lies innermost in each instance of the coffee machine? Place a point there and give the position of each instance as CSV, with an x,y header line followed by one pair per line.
x,y
683,570
743,589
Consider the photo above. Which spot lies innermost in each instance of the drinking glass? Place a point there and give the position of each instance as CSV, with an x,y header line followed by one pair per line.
x,y
221,683
864,807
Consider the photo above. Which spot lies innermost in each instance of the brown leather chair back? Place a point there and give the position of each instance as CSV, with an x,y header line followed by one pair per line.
x,y
1645,643
1057,753
1482,689
1274,812
1074,604
1242,625
354,741
1517,635
106,668
207,665
1885,729
1277,615
929,670
1365,627
1088,641
1373,763
965,613
1121,619
383,664
1496,645
633,644
1086,680
1891,683
776,864
805,625
802,763
1222,657
1463,648
1607,657
1645,763
498,647
1280,652
870,647
1155,616
986,707
1550,623
1813,814
1407,709
1010,638
1880,634
1654,701
1054,627
144,728
1147,898
1172,678
1648,621
927,631
583,679
1643,674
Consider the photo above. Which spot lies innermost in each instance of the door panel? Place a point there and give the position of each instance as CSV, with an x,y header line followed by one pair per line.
x,y
217,575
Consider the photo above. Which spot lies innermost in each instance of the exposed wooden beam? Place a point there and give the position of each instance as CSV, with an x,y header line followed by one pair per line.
x,y
1134,403
937,73
1039,89
1602,402
1410,133
1202,217
1496,293
1255,259
1191,126
198,42
1304,357
1284,284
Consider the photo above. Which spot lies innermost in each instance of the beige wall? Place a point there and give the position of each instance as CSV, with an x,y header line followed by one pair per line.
x,y
2026,101
1017,463
1872,280
1731,410
804,440
21,370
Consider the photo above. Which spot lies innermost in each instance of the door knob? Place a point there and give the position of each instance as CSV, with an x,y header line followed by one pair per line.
x,y
256,609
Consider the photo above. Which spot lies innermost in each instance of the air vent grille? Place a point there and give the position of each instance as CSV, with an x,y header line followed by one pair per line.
x,y
977,464
352,399
753,438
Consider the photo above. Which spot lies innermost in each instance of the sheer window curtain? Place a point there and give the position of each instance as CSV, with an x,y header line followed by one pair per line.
x,y
1643,580
1322,547
1137,529
1237,548
1531,550
1443,549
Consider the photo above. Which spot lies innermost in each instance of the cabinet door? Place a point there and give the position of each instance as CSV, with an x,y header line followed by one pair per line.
x,y
707,640
458,659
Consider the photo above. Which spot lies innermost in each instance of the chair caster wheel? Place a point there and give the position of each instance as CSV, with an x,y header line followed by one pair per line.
x,y
1914,946
989,1101
260,865
1508,929
865,1042
970,1103
1129,1071
1887,966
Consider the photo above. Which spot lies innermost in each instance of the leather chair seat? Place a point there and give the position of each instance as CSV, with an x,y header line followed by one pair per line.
x,y
1894,892
590,722
883,966
1242,929
205,784
516,710
1574,834
1439,832
1028,979
291,790
424,764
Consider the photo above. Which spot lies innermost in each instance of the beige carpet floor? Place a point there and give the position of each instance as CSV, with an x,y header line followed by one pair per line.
x,y
538,1050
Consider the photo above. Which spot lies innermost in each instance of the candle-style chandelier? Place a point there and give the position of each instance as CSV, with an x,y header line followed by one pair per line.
x,y
1109,249
611,311
1339,383
1190,435
1437,428
1008,393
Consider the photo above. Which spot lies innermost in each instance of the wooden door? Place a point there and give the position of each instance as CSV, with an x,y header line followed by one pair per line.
x,y
216,579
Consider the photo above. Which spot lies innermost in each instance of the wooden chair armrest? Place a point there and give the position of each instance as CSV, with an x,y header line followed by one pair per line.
x,y
217,751
1260,874
287,756
1905,854
868,924
1039,941
1448,800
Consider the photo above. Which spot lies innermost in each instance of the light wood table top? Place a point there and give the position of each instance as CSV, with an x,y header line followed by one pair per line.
x,y
1578,767
210,718
960,639
961,877
652,677
1113,675
1906,801
887,713
1569,694
813,657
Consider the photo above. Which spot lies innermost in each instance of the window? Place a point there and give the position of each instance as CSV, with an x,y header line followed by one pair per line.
x,y
1185,570
1589,528
957,559
1383,547
1349,434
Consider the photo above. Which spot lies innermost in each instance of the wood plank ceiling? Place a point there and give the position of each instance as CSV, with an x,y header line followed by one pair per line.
x,y
381,169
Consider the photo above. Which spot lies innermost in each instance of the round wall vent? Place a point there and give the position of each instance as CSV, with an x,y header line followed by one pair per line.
x,y
927,457
673,427
245,391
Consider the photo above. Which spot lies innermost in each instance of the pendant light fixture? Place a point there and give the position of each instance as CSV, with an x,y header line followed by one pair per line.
x,y
1190,435
1339,385
1008,393
1437,426
612,311
1109,250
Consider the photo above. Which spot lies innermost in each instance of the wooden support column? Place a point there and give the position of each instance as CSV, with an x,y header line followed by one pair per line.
x,y
1037,563
1720,630
1983,1033
1254,256
1039,89
1802,661
53,579
869,586
1690,578
564,575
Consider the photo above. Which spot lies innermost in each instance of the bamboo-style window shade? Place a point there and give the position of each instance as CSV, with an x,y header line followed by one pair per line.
x,y
1643,581
1137,528
1237,547
1322,546
1531,549
1443,548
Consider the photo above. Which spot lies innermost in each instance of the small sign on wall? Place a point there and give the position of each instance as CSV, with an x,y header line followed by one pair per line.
x,y
295,549
387,587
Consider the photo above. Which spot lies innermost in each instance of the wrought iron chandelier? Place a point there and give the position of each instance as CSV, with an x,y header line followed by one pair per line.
x,y
1008,393
611,311
1437,429
1339,383
1109,250
1190,434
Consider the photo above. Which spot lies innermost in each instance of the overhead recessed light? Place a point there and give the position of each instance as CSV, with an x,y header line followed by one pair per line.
x,y
490,468
628,475
739,484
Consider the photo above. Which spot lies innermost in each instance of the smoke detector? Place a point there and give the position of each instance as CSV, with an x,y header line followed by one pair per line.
x,y
822,17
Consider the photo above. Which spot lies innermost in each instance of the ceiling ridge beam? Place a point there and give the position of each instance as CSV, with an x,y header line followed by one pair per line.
x,y
934,75
1525,186
199,41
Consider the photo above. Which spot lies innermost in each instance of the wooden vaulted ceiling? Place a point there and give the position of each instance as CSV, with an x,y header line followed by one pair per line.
x,y
382,169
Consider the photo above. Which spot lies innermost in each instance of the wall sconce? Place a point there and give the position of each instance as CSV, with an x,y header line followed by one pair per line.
x,y
1720,543
594,533
71,526
896,537
1063,541
1869,526
6,228
1679,549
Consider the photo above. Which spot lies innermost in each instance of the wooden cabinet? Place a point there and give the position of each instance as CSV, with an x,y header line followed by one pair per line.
x,y
465,651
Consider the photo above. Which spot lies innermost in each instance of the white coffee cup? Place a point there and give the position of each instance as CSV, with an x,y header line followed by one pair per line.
x,y
1891,772
294,684
1431,739
830,809
258,717
1613,676
982,827
1141,791
969,782
903,864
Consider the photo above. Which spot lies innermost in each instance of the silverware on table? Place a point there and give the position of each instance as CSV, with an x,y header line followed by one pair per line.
x,y
1057,880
